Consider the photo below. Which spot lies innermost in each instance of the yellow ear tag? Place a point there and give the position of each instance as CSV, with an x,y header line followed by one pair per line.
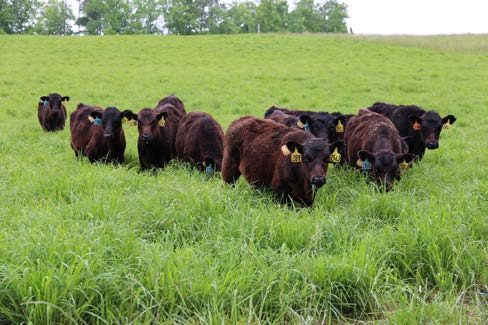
x,y
359,163
161,122
339,127
404,165
125,120
447,125
300,124
335,156
416,126
296,157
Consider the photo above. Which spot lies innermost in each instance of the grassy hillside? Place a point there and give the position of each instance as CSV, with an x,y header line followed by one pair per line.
x,y
88,243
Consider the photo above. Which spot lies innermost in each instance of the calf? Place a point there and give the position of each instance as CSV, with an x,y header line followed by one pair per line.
x,y
320,124
423,126
51,112
97,133
157,130
175,101
200,140
374,145
287,160
175,114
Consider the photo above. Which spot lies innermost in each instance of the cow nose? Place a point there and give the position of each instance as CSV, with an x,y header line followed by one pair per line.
x,y
318,180
146,137
432,144
107,136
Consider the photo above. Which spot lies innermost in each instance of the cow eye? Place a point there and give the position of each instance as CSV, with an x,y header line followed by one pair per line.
x,y
308,158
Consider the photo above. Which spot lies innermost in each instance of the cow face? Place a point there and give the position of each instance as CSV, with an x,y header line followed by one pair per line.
x,y
110,119
383,166
313,156
53,101
323,125
429,126
148,120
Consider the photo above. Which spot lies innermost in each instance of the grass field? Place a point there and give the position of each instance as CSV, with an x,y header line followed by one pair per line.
x,y
89,243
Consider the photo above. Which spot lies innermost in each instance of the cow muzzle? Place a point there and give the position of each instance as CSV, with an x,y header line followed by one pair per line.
x,y
432,145
318,181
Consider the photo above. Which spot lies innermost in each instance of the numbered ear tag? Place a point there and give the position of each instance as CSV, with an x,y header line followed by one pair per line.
x,y
125,120
416,126
296,157
404,165
45,103
97,121
447,125
365,165
300,124
335,156
306,127
339,127
209,169
161,122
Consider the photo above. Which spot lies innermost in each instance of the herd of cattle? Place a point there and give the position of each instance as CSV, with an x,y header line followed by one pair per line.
x,y
287,151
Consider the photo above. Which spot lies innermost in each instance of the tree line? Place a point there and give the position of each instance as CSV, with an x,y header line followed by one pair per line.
x,y
182,17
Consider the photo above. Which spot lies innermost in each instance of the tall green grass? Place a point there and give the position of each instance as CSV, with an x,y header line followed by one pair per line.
x,y
93,243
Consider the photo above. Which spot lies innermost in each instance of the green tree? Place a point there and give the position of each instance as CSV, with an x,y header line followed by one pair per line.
x,y
94,12
272,15
181,17
305,18
56,17
117,17
6,17
146,14
334,15
242,16
22,15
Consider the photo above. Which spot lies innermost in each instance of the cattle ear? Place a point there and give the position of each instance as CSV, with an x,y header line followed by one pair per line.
x,y
407,157
404,160
43,98
339,122
304,122
365,160
128,114
128,117
363,155
65,98
290,146
339,145
161,117
448,121
416,122
95,117
337,150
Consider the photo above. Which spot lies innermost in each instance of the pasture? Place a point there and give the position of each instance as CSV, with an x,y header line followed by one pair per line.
x,y
93,243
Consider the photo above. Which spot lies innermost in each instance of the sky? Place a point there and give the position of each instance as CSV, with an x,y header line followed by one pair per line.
x,y
413,17
418,17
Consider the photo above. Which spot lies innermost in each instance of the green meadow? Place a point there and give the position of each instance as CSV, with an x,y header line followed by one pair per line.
x,y
85,243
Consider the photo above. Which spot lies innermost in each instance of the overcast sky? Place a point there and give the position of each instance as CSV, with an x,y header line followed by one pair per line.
x,y
416,17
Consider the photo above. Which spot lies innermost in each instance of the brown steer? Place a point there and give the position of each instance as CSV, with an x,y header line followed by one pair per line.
x,y
175,101
374,145
200,140
97,133
51,112
272,155
155,141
